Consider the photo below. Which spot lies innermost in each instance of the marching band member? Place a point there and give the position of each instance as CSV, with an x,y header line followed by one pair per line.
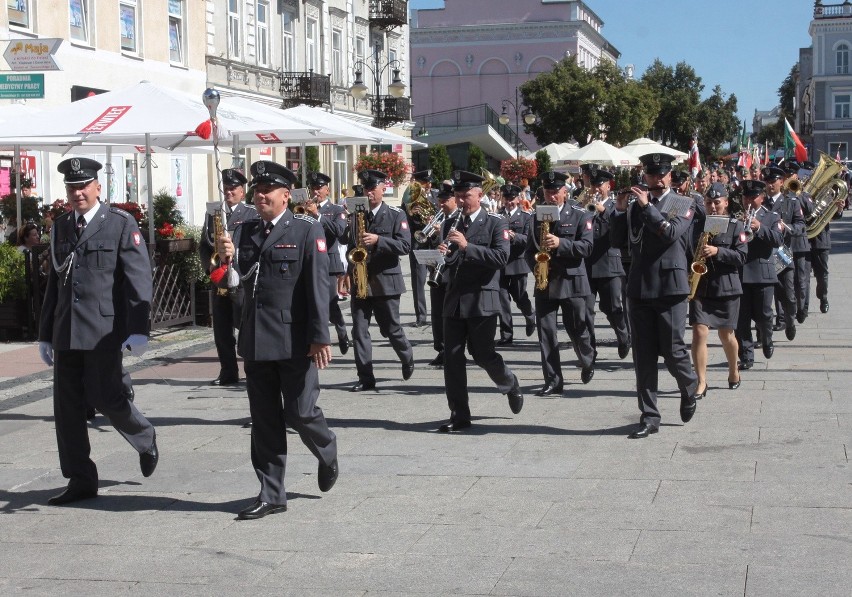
x,y
438,290
386,238
800,245
475,252
657,287
565,243
416,222
717,297
513,278
758,273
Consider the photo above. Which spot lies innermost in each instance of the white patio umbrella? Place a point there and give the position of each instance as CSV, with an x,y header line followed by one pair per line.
x,y
602,153
643,146
558,151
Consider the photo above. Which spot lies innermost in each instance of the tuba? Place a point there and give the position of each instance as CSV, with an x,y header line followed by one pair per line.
x,y
419,209
828,193
357,256
489,183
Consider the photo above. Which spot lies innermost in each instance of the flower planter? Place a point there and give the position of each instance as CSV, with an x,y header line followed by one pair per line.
x,y
175,245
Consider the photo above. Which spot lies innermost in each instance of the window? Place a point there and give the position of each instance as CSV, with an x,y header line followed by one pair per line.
x,y
19,12
311,60
842,59
337,56
128,25
340,171
841,105
289,42
262,25
360,49
176,31
391,58
234,32
78,20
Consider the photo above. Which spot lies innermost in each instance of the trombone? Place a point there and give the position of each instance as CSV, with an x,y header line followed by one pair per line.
x,y
421,236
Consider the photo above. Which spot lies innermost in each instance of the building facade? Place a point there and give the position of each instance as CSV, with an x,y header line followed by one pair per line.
x,y
824,87
475,52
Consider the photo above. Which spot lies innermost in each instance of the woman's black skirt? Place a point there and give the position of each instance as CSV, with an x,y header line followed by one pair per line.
x,y
716,313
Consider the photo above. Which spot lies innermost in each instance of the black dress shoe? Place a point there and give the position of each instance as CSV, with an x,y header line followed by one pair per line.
x,y
643,431
516,398
407,370
790,332
454,426
148,459
260,509
687,408
778,326
504,342
551,388
327,475
744,365
801,316
225,381
420,323
343,343
438,361
131,395
247,424
587,374
623,350
73,493
733,385
530,327
91,413
768,350
363,386
823,305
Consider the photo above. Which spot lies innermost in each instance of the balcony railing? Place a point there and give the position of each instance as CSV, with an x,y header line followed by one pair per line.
x,y
388,110
387,14
461,118
306,88
832,11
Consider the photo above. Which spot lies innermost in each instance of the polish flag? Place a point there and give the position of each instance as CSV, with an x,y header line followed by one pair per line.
x,y
694,159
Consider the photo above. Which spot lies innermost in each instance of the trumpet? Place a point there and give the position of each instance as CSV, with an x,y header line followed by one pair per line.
x,y
422,236
590,203
747,219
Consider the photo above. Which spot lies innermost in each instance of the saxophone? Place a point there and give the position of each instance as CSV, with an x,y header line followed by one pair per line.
x,y
699,264
542,258
357,256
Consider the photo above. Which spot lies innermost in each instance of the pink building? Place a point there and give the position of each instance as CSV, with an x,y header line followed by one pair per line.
x,y
474,52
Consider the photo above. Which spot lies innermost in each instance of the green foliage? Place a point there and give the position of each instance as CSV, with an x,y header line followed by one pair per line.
x,y
29,208
312,164
12,274
440,163
189,262
719,121
476,161
165,211
787,93
543,160
773,133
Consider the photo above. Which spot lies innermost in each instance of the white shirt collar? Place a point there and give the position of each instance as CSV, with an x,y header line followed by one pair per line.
x,y
89,215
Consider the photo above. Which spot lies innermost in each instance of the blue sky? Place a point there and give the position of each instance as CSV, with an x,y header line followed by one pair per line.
x,y
747,46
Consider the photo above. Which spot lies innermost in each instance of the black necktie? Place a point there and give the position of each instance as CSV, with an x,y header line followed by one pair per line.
x,y
81,225
466,223
268,228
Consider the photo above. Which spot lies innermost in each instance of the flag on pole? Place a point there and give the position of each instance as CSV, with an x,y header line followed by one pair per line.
x,y
694,159
793,143
743,137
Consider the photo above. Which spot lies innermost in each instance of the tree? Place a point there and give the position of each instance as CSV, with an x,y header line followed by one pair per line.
x,y
787,93
543,159
718,120
439,162
678,90
476,161
312,163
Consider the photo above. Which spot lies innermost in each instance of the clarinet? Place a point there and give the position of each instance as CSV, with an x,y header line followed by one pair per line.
x,y
434,279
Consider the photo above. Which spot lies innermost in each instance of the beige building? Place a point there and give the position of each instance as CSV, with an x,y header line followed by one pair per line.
x,y
292,52
108,46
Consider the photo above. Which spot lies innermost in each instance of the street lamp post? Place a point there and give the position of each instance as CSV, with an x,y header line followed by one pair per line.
x,y
384,108
526,114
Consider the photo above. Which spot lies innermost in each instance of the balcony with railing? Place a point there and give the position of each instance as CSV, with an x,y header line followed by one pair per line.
x,y
832,11
387,14
304,88
389,110
464,118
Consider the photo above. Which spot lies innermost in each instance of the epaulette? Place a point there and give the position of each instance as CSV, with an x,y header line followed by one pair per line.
x,y
67,214
577,207
306,218
121,212
394,208
499,216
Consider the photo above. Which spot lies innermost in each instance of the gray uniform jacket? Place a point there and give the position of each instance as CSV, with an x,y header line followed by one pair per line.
x,y
759,267
790,209
567,275
241,213
723,269
333,220
384,274
106,295
473,286
521,224
604,260
286,297
659,250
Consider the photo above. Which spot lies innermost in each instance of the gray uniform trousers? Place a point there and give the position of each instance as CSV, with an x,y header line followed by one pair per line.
x,y
418,284
514,287
819,261
335,315
92,377
574,318
297,381
802,267
386,310
755,304
227,311
612,294
658,327
436,298
785,296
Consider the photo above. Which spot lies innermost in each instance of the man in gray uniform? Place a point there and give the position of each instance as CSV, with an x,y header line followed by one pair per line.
x,y
758,274
438,282
513,279
386,238
97,301
283,262
656,226
800,245
333,220
227,303
416,222
568,241
475,252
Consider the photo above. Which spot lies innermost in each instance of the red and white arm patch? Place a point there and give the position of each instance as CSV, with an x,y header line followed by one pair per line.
x,y
321,245
743,237
404,225
137,239
780,225
588,224
505,235
688,214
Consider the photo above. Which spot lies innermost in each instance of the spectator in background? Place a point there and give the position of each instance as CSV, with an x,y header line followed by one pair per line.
x,y
28,237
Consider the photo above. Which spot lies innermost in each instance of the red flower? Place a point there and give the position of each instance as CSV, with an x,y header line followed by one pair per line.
x,y
392,164
516,169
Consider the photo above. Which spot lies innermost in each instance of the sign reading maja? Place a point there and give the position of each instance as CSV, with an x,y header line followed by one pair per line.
x,y
32,54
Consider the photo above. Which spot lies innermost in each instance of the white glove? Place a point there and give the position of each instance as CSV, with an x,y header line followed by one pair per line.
x,y
137,344
45,351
